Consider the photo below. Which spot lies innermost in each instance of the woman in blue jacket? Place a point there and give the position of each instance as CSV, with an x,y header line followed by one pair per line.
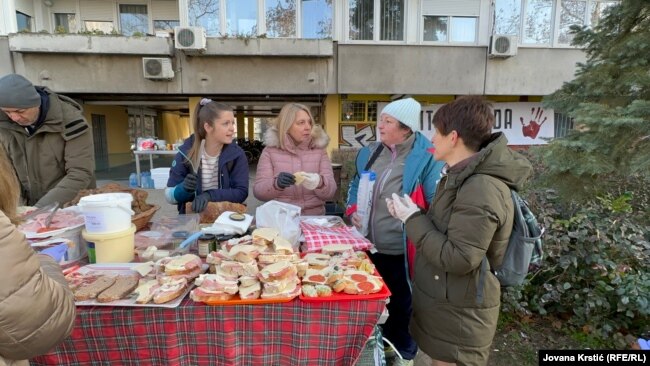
x,y
403,165
208,166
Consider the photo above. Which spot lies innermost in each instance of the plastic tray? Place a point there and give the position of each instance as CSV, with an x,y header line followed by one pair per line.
x,y
384,293
126,268
237,301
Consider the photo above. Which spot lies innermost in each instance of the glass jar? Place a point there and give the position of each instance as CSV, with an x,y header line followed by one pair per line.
x,y
206,245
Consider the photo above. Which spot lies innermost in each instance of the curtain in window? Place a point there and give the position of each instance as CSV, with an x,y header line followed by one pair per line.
x,y
392,20
133,18
361,19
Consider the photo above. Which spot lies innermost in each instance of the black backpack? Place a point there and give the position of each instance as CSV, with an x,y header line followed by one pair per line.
x,y
524,253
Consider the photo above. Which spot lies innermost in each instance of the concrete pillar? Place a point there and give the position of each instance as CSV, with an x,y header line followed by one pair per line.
x,y
332,106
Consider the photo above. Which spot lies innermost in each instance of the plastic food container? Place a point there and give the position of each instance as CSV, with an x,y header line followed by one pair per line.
x,y
111,248
107,213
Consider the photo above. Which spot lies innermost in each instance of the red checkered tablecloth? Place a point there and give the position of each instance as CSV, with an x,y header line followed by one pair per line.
x,y
317,236
293,333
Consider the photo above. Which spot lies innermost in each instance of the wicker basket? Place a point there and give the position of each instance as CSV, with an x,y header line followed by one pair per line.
x,y
142,219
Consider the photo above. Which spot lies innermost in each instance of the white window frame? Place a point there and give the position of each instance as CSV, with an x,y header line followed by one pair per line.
x,y
376,24
555,25
261,18
449,42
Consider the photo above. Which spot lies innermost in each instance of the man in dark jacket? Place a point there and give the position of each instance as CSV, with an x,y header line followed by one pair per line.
x,y
48,141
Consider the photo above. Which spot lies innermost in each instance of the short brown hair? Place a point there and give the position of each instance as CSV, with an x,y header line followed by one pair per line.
x,y
470,116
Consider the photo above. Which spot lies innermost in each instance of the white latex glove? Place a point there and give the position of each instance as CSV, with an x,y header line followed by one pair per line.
x,y
312,180
401,207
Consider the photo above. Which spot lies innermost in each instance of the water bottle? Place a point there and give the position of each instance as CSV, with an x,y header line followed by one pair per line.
x,y
364,199
133,180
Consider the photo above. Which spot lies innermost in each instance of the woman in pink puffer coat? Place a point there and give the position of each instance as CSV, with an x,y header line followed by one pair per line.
x,y
295,145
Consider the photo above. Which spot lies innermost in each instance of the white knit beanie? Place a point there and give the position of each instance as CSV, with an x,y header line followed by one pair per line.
x,y
406,111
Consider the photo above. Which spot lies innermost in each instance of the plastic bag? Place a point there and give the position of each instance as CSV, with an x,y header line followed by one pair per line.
x,y
281,216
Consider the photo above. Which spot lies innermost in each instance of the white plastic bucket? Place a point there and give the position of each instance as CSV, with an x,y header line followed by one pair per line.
x,y
111,248
107,213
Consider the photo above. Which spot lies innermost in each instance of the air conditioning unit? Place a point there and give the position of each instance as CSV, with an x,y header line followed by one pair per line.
x,y
190,38
157,68
503,46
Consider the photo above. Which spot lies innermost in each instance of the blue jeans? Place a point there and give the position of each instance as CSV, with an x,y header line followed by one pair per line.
x,y
396,329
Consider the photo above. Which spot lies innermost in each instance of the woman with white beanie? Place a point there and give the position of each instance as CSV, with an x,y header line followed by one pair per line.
x,y
403,165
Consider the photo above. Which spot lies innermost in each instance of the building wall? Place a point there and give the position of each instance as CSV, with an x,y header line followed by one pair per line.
x,y
174,127
6,64
117,122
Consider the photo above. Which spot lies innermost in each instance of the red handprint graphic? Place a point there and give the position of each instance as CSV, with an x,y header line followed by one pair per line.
x,y
532,128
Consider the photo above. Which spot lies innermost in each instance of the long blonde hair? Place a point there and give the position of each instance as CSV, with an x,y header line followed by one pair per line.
x,y
10,187
286,118
205,111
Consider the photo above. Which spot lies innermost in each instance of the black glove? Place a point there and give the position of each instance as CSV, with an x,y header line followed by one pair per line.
x,y
200,202
189,183
285,180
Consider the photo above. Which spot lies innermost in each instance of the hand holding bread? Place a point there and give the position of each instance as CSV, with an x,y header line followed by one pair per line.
x,y
308,180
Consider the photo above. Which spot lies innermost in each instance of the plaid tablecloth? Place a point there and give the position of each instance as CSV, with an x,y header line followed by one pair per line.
x,y
293,333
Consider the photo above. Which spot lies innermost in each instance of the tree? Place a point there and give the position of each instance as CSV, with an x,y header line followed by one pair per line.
x,y
609,101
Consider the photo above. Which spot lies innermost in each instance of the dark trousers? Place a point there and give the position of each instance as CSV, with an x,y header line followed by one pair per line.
x,y
393,269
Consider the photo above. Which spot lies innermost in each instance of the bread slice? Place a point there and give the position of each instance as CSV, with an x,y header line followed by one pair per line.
x,y
170,291
145,290
334,249
182,265
300,177
250,292
91,290
201,295
122,287
277,271
282,246
264,236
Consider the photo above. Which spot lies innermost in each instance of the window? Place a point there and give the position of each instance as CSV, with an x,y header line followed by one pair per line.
x,y
546,22
537,22
572,12
389,20
165,25
281,18
205,13
598,10
133,19
24,22
449,29
65,22
507,17
241,17
98,26
316,18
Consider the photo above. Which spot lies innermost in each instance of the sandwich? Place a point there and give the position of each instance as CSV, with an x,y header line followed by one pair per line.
x,y
170,290
214,282
300,177
264,236
277,271
250,292
188,266
282,246
145,290
268,258
290,292
244,252
317,260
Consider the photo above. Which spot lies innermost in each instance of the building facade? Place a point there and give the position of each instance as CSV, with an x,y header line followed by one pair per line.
x,y
140,66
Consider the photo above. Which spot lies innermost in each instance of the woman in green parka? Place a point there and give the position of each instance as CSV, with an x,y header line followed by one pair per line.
x,y
456,298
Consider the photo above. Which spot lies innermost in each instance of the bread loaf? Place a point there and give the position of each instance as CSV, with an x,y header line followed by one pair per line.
x,y
91,290
122,287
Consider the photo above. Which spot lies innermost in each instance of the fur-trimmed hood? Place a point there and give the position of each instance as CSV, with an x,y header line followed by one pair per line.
x,y
319,138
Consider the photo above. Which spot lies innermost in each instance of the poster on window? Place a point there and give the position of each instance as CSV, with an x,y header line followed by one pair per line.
x,y
523,123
